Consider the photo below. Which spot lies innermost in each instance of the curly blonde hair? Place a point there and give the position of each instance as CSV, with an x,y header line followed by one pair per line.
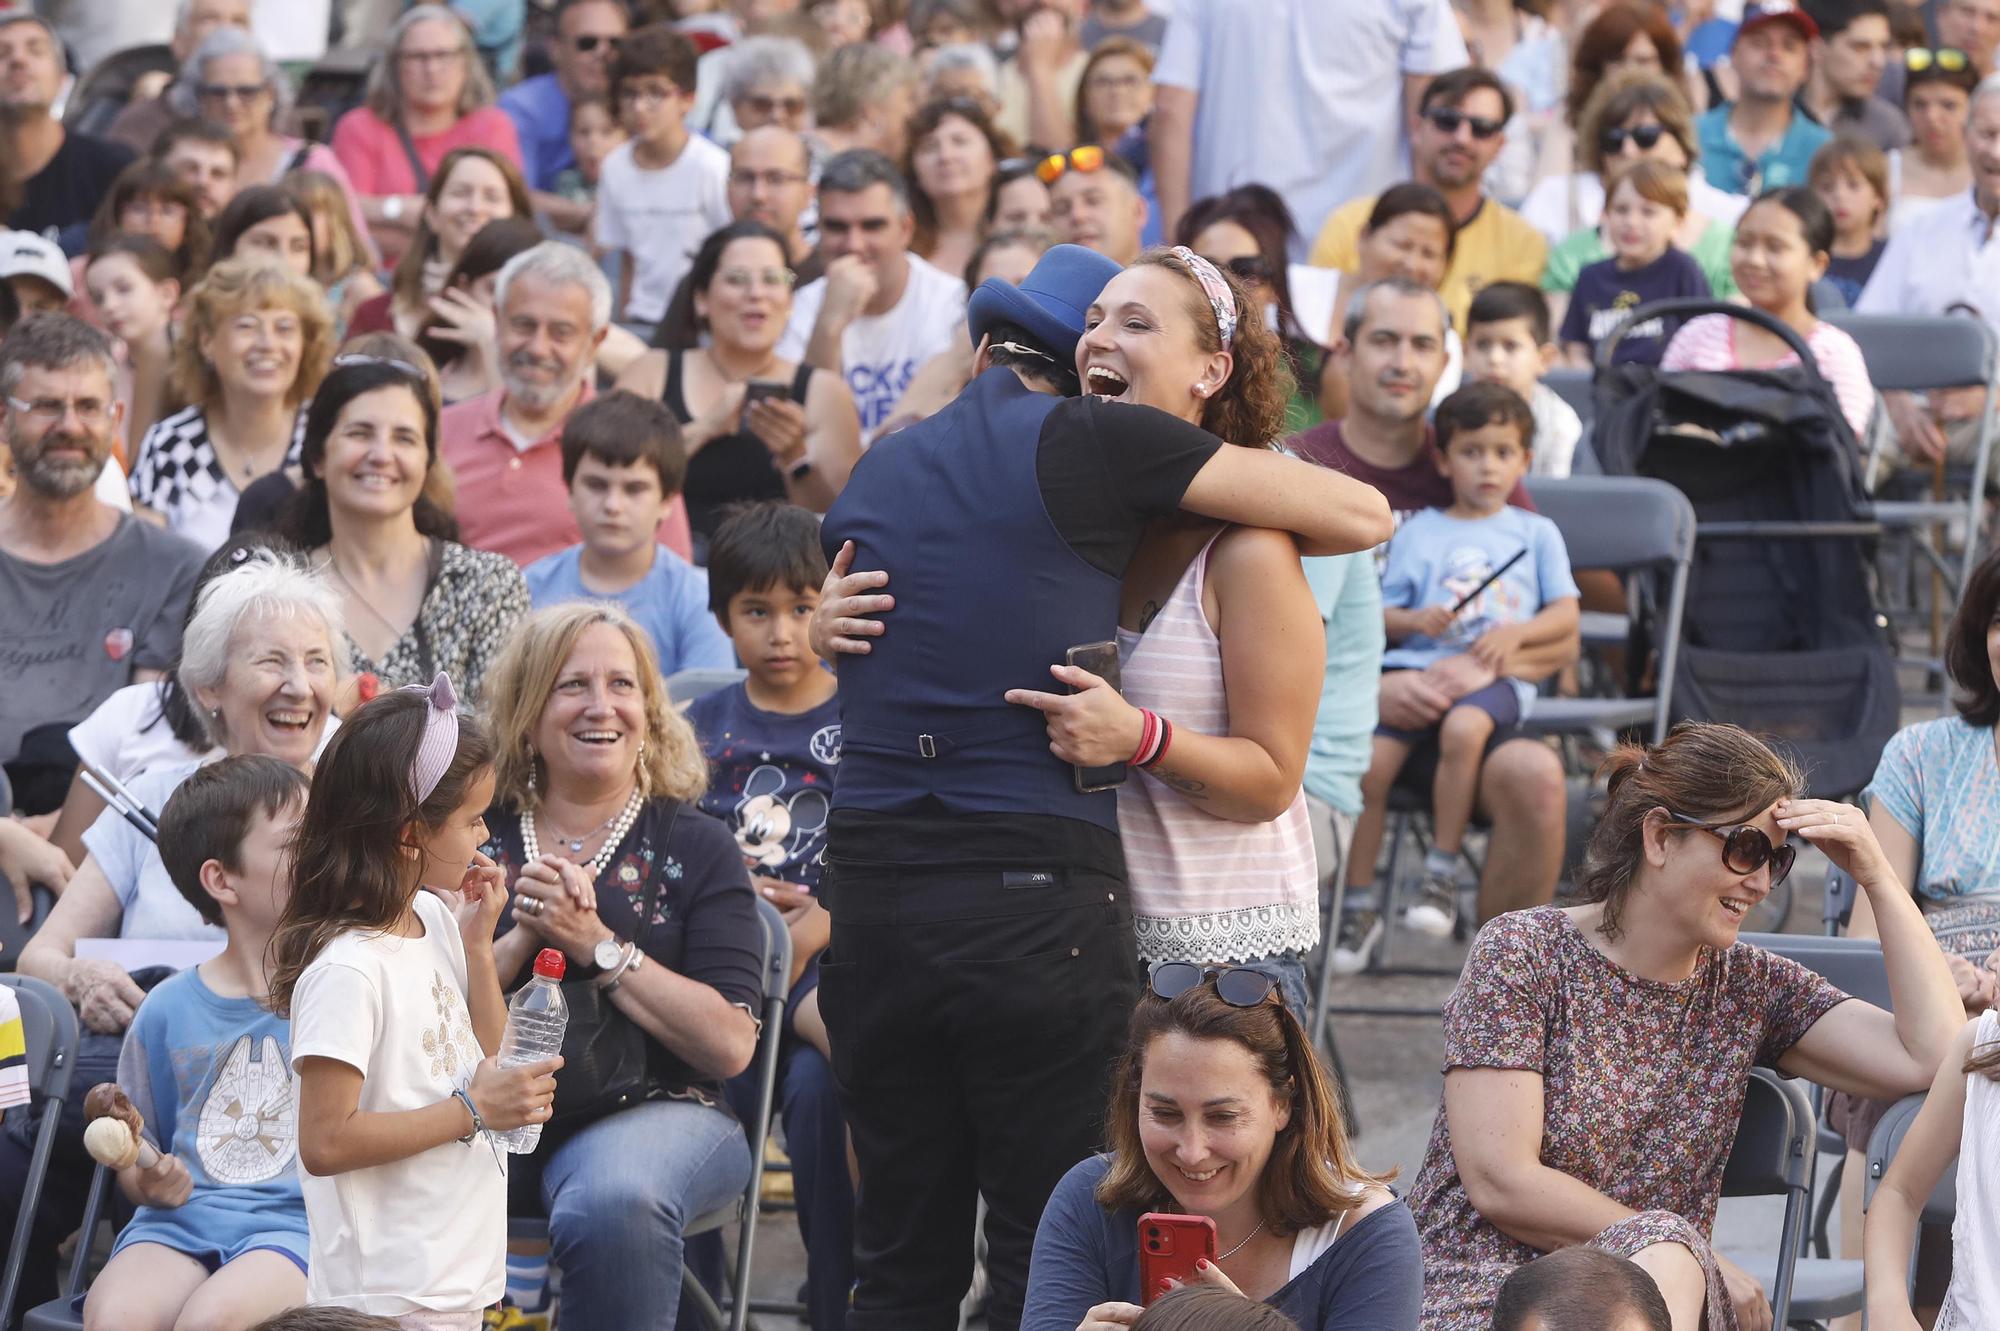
x,y
1249,408
238,286
518,686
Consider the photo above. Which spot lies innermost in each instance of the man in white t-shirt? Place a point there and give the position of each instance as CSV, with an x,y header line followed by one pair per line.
x,y
1311,98
880,311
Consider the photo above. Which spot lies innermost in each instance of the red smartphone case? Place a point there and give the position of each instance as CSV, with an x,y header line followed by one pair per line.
x,y
1169,1246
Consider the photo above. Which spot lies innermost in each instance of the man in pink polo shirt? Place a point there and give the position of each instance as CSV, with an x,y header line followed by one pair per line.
x,y
504,446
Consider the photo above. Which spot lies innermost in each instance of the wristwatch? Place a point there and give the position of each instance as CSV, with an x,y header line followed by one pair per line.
x,y
607,954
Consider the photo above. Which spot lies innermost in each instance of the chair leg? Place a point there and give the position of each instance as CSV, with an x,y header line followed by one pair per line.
x,y
1395,826
704,1302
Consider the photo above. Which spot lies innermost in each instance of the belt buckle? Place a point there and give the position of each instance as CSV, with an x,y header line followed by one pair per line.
x,y
927,746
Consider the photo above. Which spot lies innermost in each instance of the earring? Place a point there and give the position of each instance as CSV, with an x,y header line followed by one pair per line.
x,y
215,714
531,770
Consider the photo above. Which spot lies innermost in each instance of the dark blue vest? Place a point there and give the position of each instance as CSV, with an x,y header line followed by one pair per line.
x,y
988,597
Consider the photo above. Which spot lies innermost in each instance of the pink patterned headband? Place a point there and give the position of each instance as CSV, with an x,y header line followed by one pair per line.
x,y
1215,289
440,742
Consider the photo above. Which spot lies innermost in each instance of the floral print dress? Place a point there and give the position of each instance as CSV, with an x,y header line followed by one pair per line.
x,y
1642,1081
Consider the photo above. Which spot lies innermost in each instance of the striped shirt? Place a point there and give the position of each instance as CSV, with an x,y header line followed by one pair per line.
x,y
1709,343
1205,888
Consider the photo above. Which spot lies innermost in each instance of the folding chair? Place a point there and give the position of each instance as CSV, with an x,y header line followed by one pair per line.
x,y
63,1313
49,1024
1775,1154
741,1212
1941,1207
684,686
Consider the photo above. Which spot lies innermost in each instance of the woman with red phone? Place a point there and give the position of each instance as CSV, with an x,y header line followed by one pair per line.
x,y
1230,1169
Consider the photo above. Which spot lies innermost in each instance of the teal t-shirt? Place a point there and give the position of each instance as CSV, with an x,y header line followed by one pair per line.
x,y
1786,162
1350,604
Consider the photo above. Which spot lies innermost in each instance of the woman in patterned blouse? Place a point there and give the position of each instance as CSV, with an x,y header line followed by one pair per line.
x,y
255,345
417,602
1596,1056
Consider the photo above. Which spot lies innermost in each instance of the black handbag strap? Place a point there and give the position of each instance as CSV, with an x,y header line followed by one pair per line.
x,y
423,177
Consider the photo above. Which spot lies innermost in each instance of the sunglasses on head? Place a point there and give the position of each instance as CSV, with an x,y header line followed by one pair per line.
x,y
590,41
1448,120
1613,140
1947,58
1086,159
1745,849
1238,986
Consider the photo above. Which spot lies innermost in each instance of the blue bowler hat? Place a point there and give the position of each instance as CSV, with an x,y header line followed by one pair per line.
x,y
1050,300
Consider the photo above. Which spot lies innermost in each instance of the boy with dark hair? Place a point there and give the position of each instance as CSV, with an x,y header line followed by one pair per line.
x,y
1507,342
1580,1289
1462,587
623,464
220,1232
664,189
774,742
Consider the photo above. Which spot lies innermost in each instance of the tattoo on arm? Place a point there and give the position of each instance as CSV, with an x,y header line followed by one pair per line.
x,y
1188,787
1147,613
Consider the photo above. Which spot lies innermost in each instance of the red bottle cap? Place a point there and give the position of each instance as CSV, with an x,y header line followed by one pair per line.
x,y
550,964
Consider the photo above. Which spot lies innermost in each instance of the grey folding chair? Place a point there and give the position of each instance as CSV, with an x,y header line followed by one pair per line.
x,y
1775,1154
684,686
1853,965
1941,1207
1628,525
48,1024
742,1211
66,1312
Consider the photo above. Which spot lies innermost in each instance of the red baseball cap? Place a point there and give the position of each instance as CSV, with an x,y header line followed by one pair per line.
x,y
1777,11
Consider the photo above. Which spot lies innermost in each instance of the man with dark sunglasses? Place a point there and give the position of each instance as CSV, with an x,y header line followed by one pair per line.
x,y
1460,127
587,36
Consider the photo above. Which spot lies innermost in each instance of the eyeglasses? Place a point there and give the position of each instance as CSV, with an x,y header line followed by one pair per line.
x,y
1612,141
1745,850
1248,268
590,41
429,57
1448,121
1086,159
646,96
1238,986
1947,58
742,279
223,92
768,179
1115,82
762,104
49,410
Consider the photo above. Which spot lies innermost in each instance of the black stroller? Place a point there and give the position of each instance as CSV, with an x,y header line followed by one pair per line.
x,y
1781,631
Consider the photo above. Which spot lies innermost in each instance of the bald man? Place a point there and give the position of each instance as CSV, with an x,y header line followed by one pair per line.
x,y
770,181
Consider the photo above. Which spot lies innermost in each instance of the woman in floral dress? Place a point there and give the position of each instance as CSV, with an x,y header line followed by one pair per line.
x,y
1596,1056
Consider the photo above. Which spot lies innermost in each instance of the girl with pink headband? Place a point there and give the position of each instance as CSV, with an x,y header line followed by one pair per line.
x,y
384,962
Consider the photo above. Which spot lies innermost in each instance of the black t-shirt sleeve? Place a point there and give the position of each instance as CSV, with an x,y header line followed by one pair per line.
x,y
1107,468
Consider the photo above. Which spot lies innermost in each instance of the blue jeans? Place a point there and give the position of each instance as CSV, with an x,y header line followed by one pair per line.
x,y
816,1139
617,1195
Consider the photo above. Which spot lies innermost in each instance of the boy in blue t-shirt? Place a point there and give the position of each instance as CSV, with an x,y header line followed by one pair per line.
x,y
623,463
219,1238
1461,588
773,742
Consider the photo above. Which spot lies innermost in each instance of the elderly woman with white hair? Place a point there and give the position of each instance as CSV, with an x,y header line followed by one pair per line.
x,y
232,82
428,94
768,81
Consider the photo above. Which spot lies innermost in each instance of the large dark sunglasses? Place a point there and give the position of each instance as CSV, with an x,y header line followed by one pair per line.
x,y
590,41
1249,268
1613,140
1745,850
1238,986
1448,121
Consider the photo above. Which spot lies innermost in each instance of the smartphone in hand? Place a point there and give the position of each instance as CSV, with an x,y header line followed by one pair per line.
x,y
1169,1246
758,390
1101,660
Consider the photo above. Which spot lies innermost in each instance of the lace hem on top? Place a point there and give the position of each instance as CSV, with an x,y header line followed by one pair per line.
x,y
1247,934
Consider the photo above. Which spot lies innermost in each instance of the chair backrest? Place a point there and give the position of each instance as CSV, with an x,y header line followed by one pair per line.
x,y
1572,386
1887,1139
684,686
1836,909
1617,522
48,1023
1915,353
1776,1139
1852,965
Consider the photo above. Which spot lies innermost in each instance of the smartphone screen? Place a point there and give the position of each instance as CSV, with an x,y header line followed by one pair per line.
x,y
757,390
1100,659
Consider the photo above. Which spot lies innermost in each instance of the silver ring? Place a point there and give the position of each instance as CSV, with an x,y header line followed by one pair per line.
x,y
533,905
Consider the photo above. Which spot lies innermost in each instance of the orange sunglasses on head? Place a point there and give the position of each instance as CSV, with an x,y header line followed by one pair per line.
x,y
1086,159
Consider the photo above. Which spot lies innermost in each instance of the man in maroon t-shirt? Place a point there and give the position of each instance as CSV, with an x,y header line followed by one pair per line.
x,y
1395,353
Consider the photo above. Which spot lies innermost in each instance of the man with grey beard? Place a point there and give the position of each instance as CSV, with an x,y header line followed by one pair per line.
x,y
91,599
552,307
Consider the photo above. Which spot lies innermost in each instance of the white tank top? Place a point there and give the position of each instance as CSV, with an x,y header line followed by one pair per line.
x,y
1973,1301
1204,888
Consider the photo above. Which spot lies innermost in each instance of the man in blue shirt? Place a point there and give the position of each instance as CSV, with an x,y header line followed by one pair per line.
x,y
1350,602
587,36
1762,140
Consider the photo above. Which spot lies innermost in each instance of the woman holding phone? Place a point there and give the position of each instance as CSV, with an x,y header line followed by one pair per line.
x,y
1221,1111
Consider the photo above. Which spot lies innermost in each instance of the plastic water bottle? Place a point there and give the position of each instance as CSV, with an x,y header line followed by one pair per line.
x,y
535,1021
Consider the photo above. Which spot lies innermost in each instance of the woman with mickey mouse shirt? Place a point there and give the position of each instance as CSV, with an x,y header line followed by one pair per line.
x,y
647,897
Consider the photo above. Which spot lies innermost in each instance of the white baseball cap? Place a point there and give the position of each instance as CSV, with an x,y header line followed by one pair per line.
x,y
25,254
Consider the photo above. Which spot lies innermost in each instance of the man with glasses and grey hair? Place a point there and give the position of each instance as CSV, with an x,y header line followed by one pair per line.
x,y
142,120
552,308
880,311
92,598
55,175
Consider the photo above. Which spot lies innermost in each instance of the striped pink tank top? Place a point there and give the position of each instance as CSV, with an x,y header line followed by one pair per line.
x,y
1205,888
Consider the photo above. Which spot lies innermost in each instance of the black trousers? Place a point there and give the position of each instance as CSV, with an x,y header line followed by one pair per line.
x,y
974,1015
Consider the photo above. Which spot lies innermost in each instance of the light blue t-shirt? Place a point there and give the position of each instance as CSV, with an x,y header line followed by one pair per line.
x,y
212,1077
1785,162
1435,559
1940,781
670,603
153,907
1350,603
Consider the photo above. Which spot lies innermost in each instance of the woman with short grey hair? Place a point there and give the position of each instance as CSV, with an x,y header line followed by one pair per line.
x,y
768,82
428,94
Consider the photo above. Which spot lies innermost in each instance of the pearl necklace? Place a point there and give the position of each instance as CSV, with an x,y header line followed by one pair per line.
x,y
531,845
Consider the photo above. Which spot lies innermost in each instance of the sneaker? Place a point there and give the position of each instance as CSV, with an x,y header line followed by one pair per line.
x,y
1360,930
1435,911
